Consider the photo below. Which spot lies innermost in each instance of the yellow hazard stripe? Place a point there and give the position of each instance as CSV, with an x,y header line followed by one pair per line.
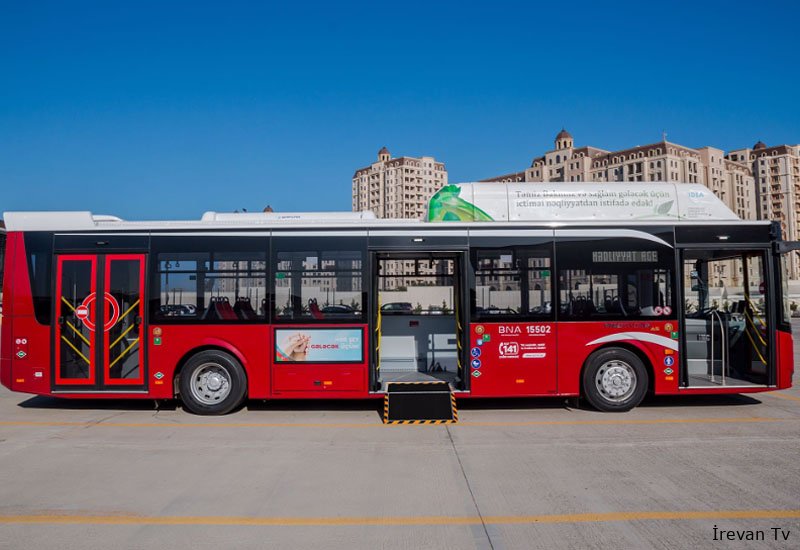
x,y
68,304
754,307
121,336
755,347
80,335
121,355
419,382
76,350
419,422
121,317
755,329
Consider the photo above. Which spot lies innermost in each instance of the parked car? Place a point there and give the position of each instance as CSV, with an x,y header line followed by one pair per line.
x,y
338,310
178,310
496,311
397,308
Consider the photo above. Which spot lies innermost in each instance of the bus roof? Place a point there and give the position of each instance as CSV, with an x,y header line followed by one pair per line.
x,y
515,204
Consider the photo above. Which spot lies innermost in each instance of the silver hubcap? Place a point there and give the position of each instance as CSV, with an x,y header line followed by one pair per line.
x,y
211,383
616,380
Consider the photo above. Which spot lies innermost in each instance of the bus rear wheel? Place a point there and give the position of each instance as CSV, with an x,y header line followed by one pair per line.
x,y
614,380
212,382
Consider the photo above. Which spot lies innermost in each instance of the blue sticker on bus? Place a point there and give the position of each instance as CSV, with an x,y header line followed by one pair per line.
x,y
476,363
669,360
479,342
476,352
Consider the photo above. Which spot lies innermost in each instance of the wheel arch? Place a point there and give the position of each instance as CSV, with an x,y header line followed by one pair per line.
x,y
636,350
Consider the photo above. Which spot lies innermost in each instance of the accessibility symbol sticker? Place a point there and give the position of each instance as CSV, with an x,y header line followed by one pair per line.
x,y
476,352
476,363
669,360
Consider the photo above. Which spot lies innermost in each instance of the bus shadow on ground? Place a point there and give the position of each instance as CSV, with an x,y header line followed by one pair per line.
x,y
322,405
376,405
516,403
720,400
55,403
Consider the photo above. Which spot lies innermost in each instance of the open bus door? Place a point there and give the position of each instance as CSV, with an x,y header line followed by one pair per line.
x,y
728,316
787,261
418,318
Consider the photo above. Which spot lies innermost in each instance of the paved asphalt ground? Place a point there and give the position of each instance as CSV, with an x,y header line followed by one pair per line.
x,y
512,474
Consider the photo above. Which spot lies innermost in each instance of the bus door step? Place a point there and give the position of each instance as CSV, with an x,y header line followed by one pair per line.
x,y
419,403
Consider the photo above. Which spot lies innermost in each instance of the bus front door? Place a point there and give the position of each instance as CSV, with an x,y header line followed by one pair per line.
x,y
419,318
726,336
99,328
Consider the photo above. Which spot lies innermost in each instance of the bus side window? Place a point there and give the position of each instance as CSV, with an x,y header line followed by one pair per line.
x,y
316,283
614,278
212,287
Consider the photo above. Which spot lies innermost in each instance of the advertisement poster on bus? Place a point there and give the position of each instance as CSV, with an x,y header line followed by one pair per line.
x,y
555,202
319,345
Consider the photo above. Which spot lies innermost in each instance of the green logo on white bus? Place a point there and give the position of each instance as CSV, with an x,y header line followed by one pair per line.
x,y
447,206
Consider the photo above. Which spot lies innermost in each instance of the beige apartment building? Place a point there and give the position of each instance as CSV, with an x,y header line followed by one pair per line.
x,y
397,187
400,188
757,183
731,181
777,176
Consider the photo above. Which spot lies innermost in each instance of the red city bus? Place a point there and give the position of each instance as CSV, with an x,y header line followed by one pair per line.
x,y
276,306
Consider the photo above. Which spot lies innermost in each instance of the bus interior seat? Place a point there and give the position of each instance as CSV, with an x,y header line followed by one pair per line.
x,y
244,309
583,306
224,309
313,308
210,313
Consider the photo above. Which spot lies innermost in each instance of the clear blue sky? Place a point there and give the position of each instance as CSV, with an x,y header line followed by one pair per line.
x,y
164,111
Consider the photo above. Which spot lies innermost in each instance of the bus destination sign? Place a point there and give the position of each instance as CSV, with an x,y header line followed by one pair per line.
x,y
624,256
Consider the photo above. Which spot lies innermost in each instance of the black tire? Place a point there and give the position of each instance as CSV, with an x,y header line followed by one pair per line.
x,y
614,380
212,382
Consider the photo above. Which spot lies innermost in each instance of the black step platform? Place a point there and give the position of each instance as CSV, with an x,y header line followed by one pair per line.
x,y
419,403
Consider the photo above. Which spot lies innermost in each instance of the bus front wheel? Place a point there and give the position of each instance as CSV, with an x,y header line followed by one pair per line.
x,y
212,382
614,380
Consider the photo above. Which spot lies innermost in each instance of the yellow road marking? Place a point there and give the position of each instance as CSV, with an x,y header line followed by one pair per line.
x,y
785,396
750,420
123,519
